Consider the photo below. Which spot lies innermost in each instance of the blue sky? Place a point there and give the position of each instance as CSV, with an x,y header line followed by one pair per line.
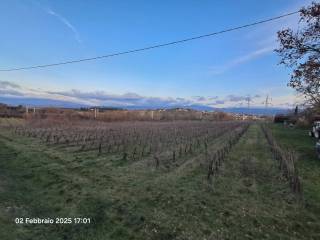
x,y
219,71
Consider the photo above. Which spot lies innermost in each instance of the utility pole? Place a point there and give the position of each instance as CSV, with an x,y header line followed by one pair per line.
x,y
248,101
27,110
267,102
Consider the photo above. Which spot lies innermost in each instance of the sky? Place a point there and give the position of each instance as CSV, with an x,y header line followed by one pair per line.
x,y
219,71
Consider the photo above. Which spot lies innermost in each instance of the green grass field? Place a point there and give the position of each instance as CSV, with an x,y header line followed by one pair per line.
x,y
248,199
308,164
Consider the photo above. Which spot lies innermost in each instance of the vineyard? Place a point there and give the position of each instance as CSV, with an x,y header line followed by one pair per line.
x,y
153,180
164,144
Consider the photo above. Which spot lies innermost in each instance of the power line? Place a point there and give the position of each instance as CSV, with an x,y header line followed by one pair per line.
x,y
150,47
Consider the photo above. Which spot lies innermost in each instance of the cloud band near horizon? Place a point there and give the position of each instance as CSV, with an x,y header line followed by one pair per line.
x,y
102,98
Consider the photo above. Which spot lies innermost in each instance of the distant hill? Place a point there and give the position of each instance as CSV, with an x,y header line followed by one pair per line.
x,y
42,102
195,107
256,110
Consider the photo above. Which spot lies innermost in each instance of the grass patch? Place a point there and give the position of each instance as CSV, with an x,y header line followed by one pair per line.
x,y
308,164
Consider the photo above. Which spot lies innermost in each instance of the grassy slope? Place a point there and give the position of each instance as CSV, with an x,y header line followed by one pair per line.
x,y
248,199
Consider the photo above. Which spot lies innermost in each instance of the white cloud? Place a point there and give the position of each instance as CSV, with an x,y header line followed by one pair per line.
x,y
266,34
240,60
66,22
7,84
264,38
101,98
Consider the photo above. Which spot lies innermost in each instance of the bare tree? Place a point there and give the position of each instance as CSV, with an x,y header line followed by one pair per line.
x,y
300,50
